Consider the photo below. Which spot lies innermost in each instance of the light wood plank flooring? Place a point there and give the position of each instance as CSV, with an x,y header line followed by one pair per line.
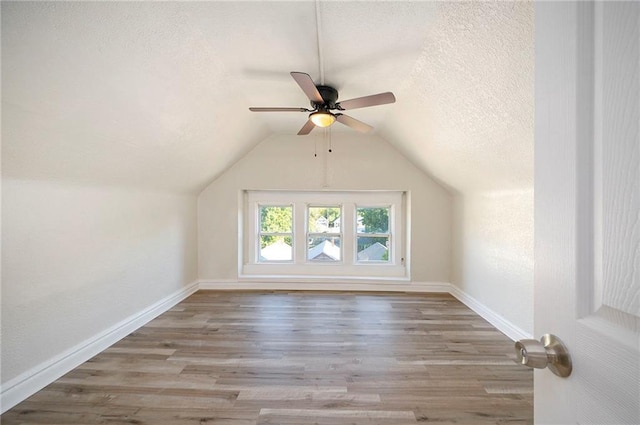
x,y
241,358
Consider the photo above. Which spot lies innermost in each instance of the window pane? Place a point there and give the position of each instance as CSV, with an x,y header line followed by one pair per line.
x,y
322,248
324,219
373,248
276,219
275,248
373,220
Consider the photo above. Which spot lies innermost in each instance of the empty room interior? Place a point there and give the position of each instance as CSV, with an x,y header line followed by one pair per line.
x,y
357,248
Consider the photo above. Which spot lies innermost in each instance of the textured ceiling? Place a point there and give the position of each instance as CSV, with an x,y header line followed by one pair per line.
x,y
155,95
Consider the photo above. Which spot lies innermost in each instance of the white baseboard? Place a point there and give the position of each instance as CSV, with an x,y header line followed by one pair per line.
x,y
33,380
503,325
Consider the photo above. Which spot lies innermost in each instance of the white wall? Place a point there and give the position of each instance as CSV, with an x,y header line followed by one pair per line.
x,y
357,163
493,252
78,259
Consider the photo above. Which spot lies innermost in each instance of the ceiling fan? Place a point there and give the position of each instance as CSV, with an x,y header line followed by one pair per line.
x,y
324,101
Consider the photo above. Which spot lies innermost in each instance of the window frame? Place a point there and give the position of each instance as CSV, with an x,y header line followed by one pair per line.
x,y
388,235
310,234
300,268
260,233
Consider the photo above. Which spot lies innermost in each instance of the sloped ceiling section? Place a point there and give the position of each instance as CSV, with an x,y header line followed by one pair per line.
x,y
156,95
468,106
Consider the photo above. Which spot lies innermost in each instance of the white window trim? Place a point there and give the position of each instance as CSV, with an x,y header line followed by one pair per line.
x,y
309,234
348,267
390,234
260,233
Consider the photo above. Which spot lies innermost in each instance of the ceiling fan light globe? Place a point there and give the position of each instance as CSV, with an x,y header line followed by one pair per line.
x,y
322,119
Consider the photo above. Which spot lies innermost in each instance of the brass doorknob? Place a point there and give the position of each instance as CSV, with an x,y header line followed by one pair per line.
x,y
548,352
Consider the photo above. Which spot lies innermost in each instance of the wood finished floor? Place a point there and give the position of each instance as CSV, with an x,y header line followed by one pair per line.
x,y
245,358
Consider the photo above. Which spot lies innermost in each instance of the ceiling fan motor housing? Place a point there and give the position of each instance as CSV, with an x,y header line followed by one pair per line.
x,y
324,99
329,95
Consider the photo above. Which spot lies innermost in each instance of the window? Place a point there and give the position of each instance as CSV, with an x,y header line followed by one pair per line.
x,y
323,236
319,234
372,233
275,233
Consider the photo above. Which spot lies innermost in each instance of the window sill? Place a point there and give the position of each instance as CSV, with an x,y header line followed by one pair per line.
x,y
328,280
324,271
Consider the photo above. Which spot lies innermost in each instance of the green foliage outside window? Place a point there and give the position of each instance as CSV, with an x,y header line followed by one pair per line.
x,y
331,214
374,220
275,219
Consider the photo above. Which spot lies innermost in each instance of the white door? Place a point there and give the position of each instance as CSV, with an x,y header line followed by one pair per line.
x,y
587,209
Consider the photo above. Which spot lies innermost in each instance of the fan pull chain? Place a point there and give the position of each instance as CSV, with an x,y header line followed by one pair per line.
x,y
325,165
330,150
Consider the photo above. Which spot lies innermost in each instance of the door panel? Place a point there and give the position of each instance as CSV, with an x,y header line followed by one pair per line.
x,y
617,121
587,208
607,332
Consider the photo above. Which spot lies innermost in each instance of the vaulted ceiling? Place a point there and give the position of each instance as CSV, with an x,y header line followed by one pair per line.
x,y
156,95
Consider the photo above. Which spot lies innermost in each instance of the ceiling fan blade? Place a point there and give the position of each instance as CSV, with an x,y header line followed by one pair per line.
x,y
306,129
353,123
308,86
277,109
363,102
